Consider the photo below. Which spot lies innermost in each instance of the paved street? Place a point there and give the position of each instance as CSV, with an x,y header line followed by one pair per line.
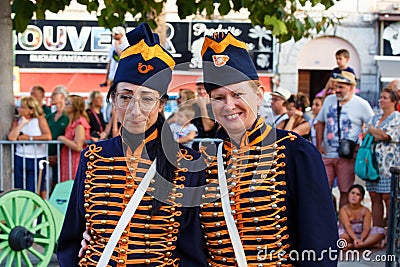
x,y
368,260
54,262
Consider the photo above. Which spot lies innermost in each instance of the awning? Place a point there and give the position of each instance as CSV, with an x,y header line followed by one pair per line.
x,y
84,83
389,67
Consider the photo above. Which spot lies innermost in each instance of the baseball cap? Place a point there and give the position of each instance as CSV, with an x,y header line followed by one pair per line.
x,y
118,30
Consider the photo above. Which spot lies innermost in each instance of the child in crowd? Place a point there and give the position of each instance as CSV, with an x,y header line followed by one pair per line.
x,y
184,132
342,59
355,222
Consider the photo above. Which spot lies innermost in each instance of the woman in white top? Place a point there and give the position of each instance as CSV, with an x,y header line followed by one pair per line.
x,y
31,126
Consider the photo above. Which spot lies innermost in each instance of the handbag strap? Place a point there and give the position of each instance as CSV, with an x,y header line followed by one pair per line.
x,y
226,208
339,109
368,139
126,216
97,119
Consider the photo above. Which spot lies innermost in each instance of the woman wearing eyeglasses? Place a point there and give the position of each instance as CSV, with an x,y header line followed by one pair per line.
x,y
127,191
76,133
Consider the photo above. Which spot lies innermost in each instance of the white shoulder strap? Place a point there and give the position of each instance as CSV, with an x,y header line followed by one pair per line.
x,y
126,216
226,207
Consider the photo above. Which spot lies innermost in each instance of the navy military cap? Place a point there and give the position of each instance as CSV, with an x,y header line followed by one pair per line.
x,y
226,61
145,62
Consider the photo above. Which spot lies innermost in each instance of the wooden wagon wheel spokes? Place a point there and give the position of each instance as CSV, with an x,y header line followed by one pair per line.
x,y
27,230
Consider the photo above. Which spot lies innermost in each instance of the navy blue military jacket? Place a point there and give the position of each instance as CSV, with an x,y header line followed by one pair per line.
x,y
105,181
279,198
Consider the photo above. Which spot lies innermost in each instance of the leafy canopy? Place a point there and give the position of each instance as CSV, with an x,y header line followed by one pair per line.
x,y
285,18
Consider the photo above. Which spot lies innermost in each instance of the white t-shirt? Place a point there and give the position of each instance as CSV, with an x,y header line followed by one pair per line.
x,y
114,58
178,132
31,151
353,115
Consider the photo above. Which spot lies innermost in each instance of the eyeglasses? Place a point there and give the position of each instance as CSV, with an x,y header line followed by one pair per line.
x,y
339,76
146,102
68,103
276,99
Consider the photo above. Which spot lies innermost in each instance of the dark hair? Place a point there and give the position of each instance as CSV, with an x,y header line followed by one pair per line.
x,y
111,92
38,87
359,187
166,154
320,98
394,95
300,101
343,52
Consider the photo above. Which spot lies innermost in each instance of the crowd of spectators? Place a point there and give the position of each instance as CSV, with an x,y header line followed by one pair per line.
x,y
335,113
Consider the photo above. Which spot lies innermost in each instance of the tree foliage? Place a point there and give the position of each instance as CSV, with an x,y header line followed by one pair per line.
x,y
285,18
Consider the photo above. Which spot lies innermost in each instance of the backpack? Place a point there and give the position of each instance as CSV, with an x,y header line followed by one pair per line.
x,y
365,164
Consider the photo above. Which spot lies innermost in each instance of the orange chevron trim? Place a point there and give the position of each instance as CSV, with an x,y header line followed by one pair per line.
x,y
221,46
149,52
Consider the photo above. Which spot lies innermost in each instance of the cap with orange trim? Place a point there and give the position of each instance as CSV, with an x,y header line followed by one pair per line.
x,y
226,61
145,62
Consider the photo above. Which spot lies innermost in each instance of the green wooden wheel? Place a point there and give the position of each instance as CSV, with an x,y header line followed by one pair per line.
x,y
27,230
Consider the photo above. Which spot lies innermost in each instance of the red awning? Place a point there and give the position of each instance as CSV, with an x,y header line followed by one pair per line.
x,y
87,82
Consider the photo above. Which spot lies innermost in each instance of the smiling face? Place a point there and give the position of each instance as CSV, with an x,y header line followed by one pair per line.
x,y
235,107
137,107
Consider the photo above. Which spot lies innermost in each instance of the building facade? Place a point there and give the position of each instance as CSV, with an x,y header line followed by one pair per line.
x,y
368,29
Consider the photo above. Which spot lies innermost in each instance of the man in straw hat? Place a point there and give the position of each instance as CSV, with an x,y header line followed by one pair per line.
x,y
353,112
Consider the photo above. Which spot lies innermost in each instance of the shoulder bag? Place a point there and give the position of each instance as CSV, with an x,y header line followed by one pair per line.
x,y
346,146
365,165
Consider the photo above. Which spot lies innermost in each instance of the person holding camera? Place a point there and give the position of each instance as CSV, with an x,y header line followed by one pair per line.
x,y
340,122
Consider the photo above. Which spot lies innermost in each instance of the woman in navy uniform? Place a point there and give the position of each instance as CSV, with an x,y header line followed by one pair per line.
x,y
267,201
161,232
273,205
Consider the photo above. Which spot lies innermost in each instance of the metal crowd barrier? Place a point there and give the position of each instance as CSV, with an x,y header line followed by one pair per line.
x,y
6,144
393,236
11,145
